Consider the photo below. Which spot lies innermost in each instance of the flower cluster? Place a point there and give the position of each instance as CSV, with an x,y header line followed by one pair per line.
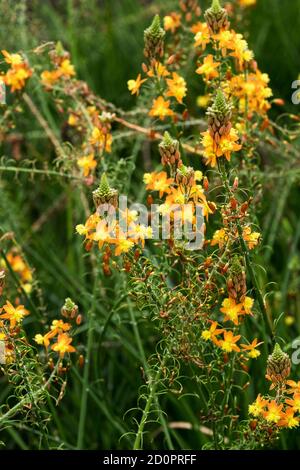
x,y
59,330
18,72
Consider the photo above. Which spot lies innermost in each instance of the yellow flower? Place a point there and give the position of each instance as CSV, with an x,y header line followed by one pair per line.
x,y
247,3
257,408
208,68
63,345
212,333
87,163
176,87
294,402
273,413
228,343
157,69
16,76
160,108
172,22
202,37
12,59
158,182
288,420
251,349
226,145
203,100
66,68
220,237
251,238
48,77
248,304
134,85
101,139
15,315
123,246
231,310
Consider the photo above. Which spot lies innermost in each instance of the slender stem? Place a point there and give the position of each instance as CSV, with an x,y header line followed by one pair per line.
x,y
148,374
85,386
153,383
36,171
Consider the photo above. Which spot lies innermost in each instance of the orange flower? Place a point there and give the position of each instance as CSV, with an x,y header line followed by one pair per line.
x,y
123,245
251,349
134,85
288,420
231,310
87,163
63,345
172,22
176,87
228,343
294,402
160,108
294,386
208,68
214,150
257,407
17,75
212,333
202,37
220,237
101,139
158,182
15,315
251,238
12,59
48,78
273,413
66,69
157,70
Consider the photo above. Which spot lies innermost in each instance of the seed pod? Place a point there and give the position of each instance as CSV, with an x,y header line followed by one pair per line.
x,y
154,39
216,18
278,365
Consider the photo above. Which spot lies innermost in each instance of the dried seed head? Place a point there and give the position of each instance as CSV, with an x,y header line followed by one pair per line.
x,y
105,194
216,18
278,365
154,39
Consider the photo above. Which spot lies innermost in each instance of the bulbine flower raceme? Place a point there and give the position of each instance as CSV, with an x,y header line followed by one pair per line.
x,y
212,321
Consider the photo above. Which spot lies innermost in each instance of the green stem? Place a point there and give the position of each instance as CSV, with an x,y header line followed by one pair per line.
x,y
85,386
148,375
153,383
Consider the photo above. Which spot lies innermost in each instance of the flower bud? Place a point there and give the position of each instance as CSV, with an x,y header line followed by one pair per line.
x,y
169,151
105,194
154,39
278,365
185,175
219,115
216,18
69,309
